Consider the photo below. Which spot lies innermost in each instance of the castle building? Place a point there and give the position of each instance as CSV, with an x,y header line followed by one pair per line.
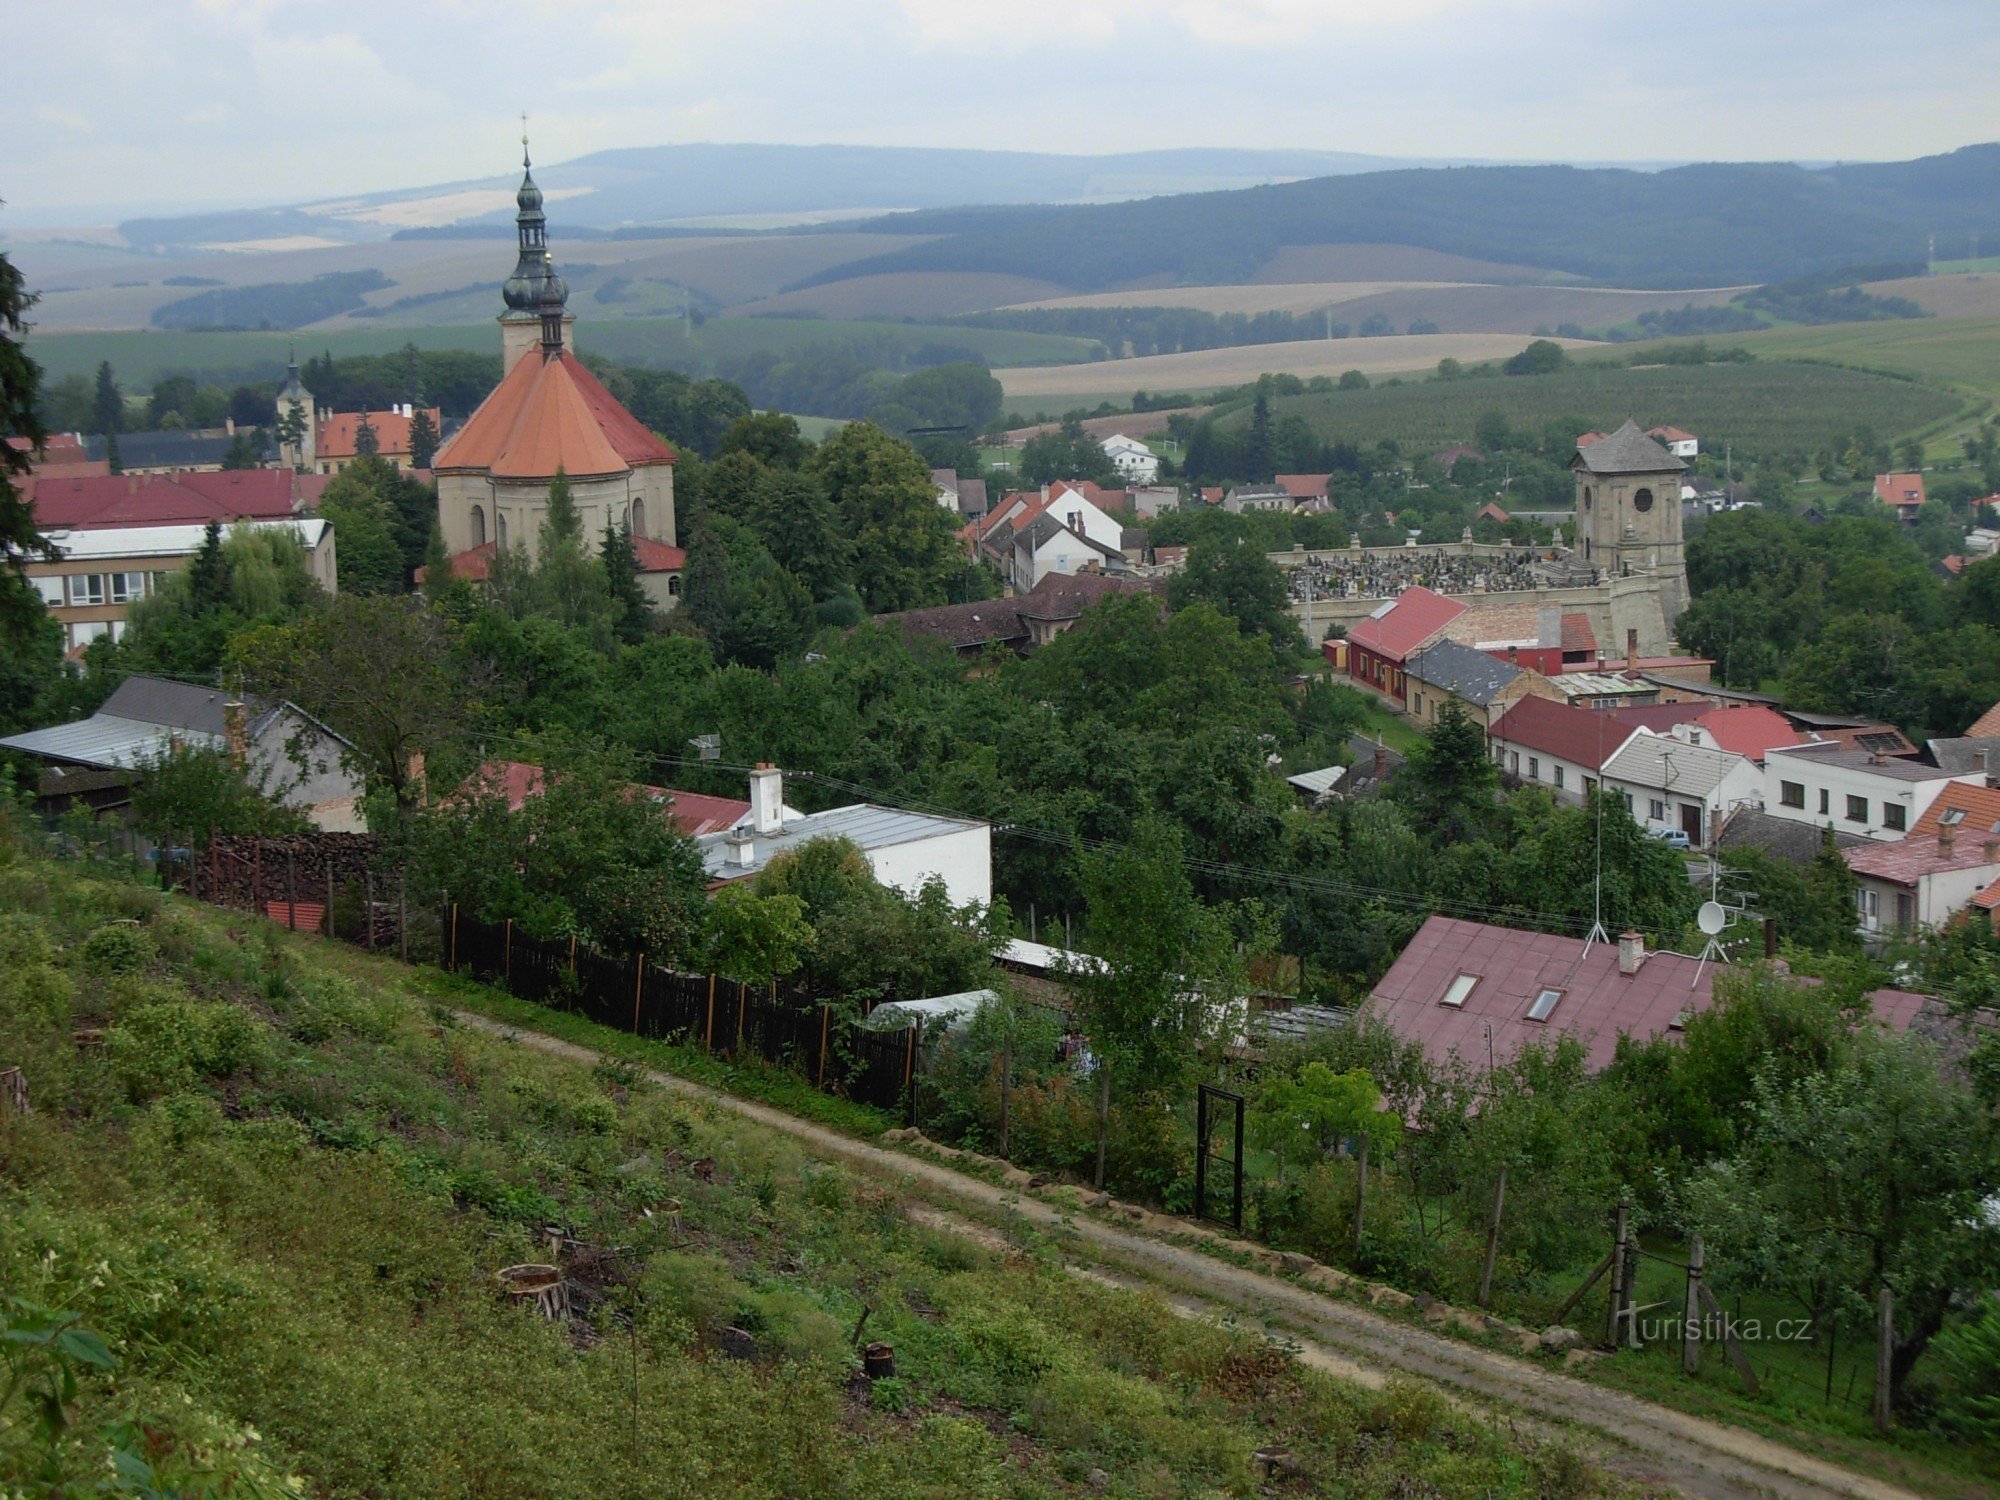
x,y
549,414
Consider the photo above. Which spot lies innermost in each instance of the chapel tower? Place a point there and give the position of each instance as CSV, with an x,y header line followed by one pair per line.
x,y
1628,512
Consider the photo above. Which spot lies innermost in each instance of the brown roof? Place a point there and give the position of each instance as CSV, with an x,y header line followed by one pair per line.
x,y
1302,486
183,499
1903,491
1908,860
335,438
1979,804
1585,736
550,414
1002,622
1406,624
1986,724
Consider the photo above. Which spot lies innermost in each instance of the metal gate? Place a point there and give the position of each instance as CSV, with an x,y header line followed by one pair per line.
x,y
1209,1104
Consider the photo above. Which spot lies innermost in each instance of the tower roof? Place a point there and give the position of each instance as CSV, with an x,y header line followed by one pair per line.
x,y
293,389
1627,451
522,291
549,414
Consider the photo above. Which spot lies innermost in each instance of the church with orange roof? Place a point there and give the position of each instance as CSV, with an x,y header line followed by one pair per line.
x,y
550,413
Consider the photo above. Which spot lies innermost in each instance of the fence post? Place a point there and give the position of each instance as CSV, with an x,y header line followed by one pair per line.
x,y
1691,1319
1618,1272
1885,1348
1493,1238
708,1037
454,936
1360,1191
825,1017
507,956
638,981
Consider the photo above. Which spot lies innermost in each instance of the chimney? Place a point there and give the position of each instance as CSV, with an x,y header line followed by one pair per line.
x,y
1631,953
1381,761
740,847
1632,650
1513,655
767,799
1947,840
1985,766
236,730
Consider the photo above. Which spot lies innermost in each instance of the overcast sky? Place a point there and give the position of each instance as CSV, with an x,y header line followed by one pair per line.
x,y
115,104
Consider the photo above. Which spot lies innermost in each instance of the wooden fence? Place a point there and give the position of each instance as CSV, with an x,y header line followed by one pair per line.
x,y
723,1017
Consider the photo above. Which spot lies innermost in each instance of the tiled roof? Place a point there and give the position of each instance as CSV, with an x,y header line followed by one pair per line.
x,y
1462,671
1406,623
999,622
110,500
1303,486
1782,838
336,435
1749,730
1577,634
1667,764
1986,724
1876,739
474,564
1670,434
694,813
1978,808
1904,491
1490,512
1582,736
549,414
657,557
1626,451
1988,899
1512,967
1962,755
1908,860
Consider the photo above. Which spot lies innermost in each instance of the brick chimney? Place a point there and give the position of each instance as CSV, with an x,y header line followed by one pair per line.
x,y
1381,761
767,800
1947,840
1631,650
1513,655
1631,953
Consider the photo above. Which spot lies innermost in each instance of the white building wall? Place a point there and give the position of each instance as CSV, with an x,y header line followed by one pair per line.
x,y
963,859
1838,783
1742,787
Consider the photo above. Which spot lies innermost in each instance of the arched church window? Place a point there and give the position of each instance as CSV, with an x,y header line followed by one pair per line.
x,y
674,585
1643,501
639,517
478,526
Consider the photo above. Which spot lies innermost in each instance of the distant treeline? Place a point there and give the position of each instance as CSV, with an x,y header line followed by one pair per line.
x,y
274,304
1133,331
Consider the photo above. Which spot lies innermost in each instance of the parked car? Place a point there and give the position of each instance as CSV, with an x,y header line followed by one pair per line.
x,y
1673,838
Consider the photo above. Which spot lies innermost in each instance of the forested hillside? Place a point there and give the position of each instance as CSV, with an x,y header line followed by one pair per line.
x,y
1710,225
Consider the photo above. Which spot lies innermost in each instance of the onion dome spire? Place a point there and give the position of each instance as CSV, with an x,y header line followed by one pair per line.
x,y
554,298
523,290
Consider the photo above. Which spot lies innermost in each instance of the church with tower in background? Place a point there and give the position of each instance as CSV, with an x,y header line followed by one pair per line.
x,y
549,414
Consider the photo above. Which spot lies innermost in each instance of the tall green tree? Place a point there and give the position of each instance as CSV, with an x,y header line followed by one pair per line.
x,y
1448,782
108,403
423,439
632,611
371,558
21,613
906,552
569,584
1235,576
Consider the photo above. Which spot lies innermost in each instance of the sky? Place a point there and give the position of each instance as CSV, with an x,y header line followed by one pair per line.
x,y
116,106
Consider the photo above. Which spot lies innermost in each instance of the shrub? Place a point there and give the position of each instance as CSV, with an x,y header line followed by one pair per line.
x,y
1407,1411
121,948
1969,1360
170,1046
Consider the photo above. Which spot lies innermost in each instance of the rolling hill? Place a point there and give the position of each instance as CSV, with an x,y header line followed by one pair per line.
x,y
1709,225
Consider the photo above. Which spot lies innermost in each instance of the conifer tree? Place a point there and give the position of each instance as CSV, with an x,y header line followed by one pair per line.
x,y
423,439
108,405
632,610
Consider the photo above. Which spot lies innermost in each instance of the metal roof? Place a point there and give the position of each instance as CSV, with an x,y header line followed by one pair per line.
x,y
166,541
1655,760
1317,783
868,826
109,741
1893,767
1462,671
1627,451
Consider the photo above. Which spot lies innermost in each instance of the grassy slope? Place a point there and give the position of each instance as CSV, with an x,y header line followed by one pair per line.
x,y
140,358
281,1186
1964,352
1762,407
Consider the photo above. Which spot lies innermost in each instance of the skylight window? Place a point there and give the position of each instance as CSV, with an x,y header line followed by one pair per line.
x,y
1952,815
1545,1005
1455,993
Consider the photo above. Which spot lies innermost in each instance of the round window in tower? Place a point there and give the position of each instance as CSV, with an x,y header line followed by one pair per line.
x,y
1643,501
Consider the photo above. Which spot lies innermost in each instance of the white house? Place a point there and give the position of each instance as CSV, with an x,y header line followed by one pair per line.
x,y
1046,546
1852,790
1669,783
905,849
1677,441
1137,463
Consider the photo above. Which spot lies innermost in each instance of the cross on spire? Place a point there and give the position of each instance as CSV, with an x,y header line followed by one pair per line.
x,y
524,139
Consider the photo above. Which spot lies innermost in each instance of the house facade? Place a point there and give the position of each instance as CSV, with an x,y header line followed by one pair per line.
x,y
1379,648
1670,784
1135,462
1481,686
1877,796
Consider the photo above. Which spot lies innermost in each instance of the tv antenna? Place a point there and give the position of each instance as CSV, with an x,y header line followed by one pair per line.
x,y
709,745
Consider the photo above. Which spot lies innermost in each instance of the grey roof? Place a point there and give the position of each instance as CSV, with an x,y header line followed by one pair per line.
x,y
1628,451
1787,839
108,741
972,497
1962,755
1317,783
160,450
1360,780
1046,528
1895,767
1657,760
1259,492
869,826
178,705
1462,671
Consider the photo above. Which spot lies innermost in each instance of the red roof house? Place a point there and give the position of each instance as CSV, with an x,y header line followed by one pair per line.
x,y
1485,993
1751,731
338,432
1303,486
99,502
1378,646
694,813
1905,492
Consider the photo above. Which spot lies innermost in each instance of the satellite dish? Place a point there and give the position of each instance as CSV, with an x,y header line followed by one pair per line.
x,y
1712,917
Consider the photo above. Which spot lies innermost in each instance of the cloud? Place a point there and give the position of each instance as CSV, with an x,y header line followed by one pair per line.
x,y
67,119
954,24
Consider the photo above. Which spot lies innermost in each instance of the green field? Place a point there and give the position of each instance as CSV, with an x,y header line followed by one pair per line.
x,y
1765,407
142,356
1964,352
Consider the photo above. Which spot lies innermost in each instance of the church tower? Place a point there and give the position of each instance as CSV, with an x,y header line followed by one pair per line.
x,y
1628,512
297,439
521,323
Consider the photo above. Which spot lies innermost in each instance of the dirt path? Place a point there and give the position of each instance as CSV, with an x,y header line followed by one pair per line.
x,y
1657,1442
